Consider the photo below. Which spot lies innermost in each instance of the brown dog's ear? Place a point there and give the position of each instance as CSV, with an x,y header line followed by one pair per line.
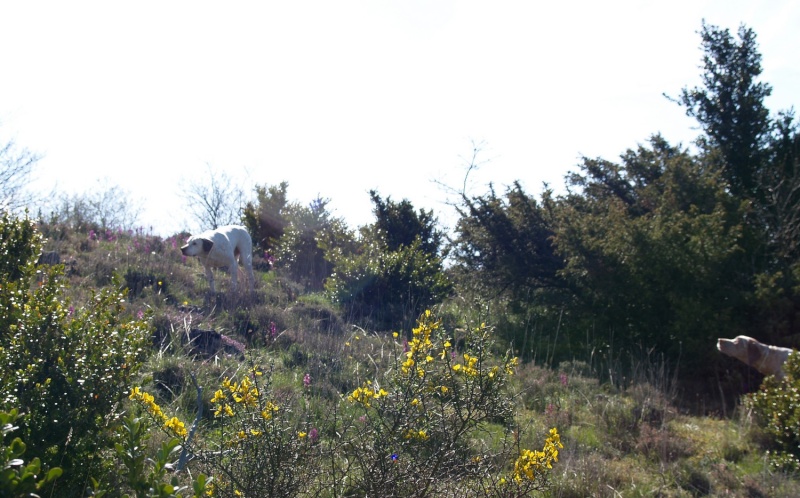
x,y
207,245
753,353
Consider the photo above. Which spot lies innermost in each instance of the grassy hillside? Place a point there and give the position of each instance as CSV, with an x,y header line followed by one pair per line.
x,y
626,437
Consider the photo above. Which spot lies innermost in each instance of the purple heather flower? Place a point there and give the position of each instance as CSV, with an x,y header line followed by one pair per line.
x,y
272,330
564,380
313,435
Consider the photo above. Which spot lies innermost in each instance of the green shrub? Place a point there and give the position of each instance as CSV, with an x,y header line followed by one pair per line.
x,y
65,367
385,287
17,478
777,409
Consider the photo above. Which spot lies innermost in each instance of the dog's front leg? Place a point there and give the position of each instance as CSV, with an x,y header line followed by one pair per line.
x,y
210,276
234,269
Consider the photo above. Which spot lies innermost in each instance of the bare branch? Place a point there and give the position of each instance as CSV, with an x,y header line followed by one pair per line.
x,y
15,172
215,200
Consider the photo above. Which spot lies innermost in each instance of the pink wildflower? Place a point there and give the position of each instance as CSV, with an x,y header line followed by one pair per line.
x,y
272,330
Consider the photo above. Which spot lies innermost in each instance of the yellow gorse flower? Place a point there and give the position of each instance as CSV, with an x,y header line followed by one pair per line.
x,y
469,366
408,364
511,365
532,463
148,401
176,426
172,424
420,434
365,394
269,408
240,393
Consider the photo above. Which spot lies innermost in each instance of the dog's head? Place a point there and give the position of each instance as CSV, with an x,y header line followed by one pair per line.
x,y
197,245
742,348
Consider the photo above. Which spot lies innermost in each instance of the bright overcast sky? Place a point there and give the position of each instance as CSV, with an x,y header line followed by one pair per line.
x,y
340,97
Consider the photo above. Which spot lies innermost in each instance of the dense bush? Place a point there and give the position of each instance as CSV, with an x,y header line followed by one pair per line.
x,y
385,288
393,270
777,409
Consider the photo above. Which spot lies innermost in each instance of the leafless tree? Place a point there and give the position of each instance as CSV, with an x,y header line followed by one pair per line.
x,y
213,199
16,166
106,207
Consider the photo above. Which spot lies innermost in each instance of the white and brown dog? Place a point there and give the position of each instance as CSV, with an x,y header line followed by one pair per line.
x,y
222,247
765,358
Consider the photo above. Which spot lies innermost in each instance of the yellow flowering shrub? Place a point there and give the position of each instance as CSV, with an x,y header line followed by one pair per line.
x,y
416,429
259,445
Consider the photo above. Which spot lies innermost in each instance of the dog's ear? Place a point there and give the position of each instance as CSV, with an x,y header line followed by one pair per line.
x,y
753,352
207,245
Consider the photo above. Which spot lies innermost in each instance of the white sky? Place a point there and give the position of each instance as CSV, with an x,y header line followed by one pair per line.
x,y
340,97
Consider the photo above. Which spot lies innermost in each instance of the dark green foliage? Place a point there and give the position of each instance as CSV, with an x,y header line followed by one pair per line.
x,y
781,184
757,156
18,479
508,241
389,276
144,474
300,255
401,225
777,409
654,251
388,288
505,256
730,105
65,368
265,218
